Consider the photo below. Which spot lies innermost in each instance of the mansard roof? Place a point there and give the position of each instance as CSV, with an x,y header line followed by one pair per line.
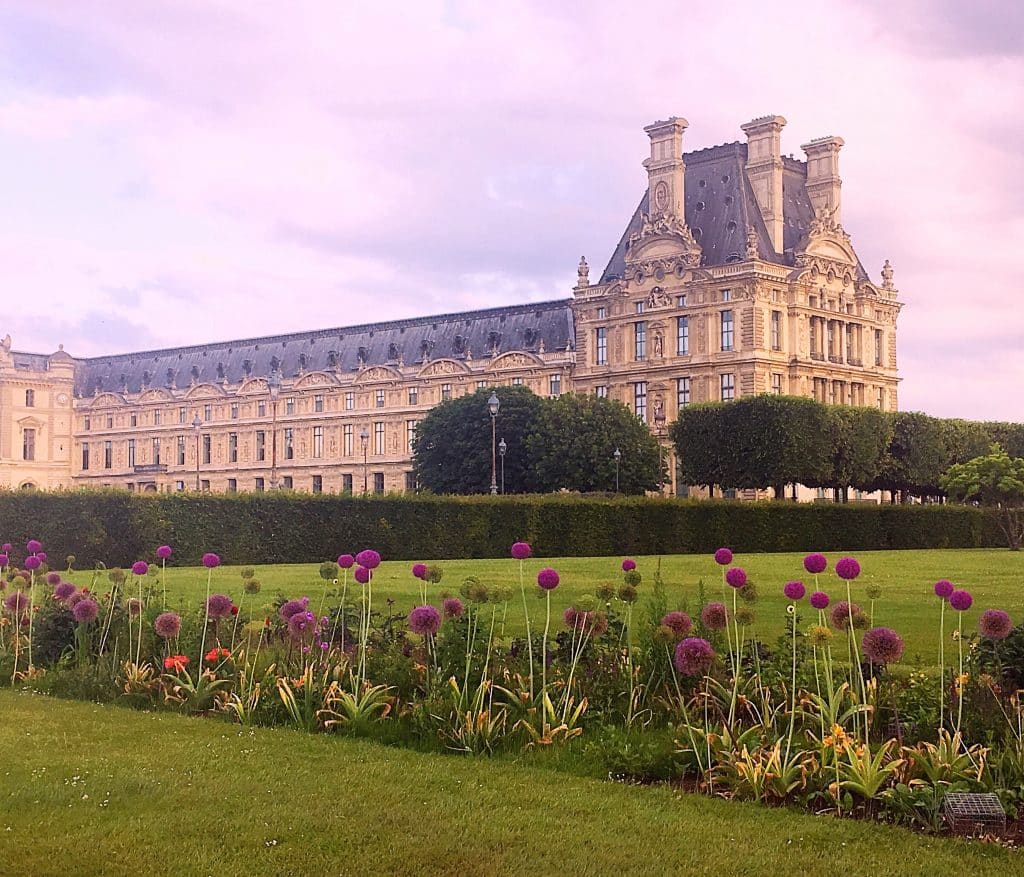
x,y
477,335
719,205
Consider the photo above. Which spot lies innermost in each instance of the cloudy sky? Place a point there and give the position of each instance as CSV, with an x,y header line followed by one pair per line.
x,y
179,171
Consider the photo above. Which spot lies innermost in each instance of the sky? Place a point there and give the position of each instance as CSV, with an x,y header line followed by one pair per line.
x,y
180,171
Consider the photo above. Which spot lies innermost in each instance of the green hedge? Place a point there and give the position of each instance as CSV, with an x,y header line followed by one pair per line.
x,y
117,527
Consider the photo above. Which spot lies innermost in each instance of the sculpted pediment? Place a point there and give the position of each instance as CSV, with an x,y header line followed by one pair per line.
x,y
207,390
155,396
107,400
444,367
315,379
515,359
663,237
253,387
378,373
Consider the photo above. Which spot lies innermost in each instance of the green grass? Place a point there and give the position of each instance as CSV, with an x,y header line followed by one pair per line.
x,y
994,577
91,790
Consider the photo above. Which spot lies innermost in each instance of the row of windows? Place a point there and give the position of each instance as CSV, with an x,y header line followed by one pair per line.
x,y
374,482
726,337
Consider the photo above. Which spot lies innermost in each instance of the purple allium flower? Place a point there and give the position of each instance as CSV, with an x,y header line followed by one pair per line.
x,y
882,645
75,598
628,564
4,560
134,606
847,568
736,577
167,624
362,575
164,552
723,557
794,591
41,555
424,620
368,558
53,578
815,563
678,622
8,547
419,570
944,589
346,561
961,600
219,606
34,546
819,600
548,579
521,550
995,624
16,602
292,607
140,567
32,562
86,611
302,625
694,656
714,617
211,560
841,613
453,608
63,590
571,616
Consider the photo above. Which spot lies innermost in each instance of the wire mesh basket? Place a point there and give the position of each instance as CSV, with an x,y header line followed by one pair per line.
x,y
974,813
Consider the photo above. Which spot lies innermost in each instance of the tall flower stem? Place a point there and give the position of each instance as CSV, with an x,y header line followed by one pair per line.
x,y
163,580
792,707
544,653
526,614
960,676
856,652
736,669
138,647
206,621
942,661
31,612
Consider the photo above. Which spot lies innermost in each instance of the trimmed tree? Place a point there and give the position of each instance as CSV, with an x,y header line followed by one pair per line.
x,y
996,483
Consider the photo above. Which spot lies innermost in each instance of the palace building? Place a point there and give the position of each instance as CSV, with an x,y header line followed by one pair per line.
x,y
734,276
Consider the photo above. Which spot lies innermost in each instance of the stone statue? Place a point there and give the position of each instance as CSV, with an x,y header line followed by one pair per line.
x,y
887,275
659,409
583,273
751,246
659,345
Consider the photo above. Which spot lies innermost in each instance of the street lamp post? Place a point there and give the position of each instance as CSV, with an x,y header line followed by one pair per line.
x,y
618,456
197,425
364,438
274,386
502,447
493,404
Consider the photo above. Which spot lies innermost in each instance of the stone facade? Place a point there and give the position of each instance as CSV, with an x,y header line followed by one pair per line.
x,y
734,276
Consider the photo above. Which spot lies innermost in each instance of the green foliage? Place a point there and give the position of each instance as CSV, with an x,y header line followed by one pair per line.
x,y
995,482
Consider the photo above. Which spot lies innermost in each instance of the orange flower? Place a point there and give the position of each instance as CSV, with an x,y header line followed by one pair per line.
x,y
177,663
216,654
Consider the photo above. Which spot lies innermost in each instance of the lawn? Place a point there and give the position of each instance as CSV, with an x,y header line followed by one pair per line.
x,y
994,577
105,791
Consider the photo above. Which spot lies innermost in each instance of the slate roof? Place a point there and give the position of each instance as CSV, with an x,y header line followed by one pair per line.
x,y
481,334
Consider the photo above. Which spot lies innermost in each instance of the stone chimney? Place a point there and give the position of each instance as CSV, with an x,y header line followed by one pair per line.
x,y
665,169
764,170
823,183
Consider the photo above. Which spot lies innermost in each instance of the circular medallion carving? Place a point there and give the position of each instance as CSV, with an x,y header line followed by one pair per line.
x,y
661,196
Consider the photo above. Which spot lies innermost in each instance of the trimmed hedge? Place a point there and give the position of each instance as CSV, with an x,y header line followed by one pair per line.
x,y
118,528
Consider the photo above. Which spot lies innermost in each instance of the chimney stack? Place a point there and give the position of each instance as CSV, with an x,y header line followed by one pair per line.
x,y
665,168
764,170
823,183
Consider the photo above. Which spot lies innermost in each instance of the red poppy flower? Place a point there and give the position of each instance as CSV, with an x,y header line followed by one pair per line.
x,y
234,610
177,663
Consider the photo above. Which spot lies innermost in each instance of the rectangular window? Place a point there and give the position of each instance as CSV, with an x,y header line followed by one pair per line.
x,y
726,295
446,392
205,485
232,485
682,392
179,486
261,446
680,301
85,456
88,423
182,415
640,400
728,387
318,484
410,482
517,382
410,434
881,398
640,340
777,383
234,411
207,413
378,437
318,404
682,336
601,345
156,451
289,444
108,455
261,408
318,441
379,399
157,417
232,447
378,482
289,405
133,419
641,307
481,385
602,312
287,482
776,330
414,396
346,483
110,422
261,485
601,391
131,452
878,346
350,400
30,398
346,440
207,446
181,450
726,330
555,385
